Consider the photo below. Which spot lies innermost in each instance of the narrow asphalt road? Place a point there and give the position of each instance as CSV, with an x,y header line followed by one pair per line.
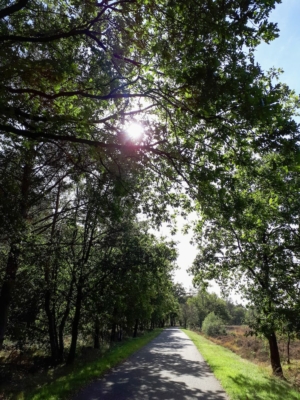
x,y
168,368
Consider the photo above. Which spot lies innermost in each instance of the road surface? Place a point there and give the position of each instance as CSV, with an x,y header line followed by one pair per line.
x,y
168,368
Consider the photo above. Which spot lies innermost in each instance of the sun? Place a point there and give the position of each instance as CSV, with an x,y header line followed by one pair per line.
x,y
134,131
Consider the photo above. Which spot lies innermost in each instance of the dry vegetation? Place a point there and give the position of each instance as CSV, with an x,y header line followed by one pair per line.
x,y
256,349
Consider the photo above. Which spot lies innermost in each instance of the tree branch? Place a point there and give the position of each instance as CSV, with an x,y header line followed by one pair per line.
x,y
40,38
13,8
74,139
75,93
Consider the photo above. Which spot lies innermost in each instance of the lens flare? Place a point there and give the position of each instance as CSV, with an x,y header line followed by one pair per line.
x,y
134,131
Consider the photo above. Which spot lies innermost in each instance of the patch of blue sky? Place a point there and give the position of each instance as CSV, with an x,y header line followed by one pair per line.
x,y
284,52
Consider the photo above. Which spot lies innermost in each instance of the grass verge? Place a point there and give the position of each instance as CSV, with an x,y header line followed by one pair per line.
x,y
241,379
80,376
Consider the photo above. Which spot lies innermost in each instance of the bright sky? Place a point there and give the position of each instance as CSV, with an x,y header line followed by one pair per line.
x,y
284,53
187,252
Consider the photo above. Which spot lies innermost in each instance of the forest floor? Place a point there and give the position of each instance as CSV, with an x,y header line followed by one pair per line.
x,y
256,349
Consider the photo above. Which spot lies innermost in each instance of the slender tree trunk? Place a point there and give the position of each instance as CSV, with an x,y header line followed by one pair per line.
x,y
75,325
288,348
135,328
63,322
97,334
14,253
120,334
273,345
274,355
49,308
61,334
51,327
7,288
113,332
61,340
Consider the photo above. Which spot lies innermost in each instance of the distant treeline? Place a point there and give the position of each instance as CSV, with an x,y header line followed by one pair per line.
x,y
195,308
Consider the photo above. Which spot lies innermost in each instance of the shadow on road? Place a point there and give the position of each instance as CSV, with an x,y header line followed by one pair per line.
x,y
157,373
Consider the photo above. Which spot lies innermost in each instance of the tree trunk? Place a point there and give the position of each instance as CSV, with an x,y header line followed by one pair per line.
x,y
274,355
120,334
135,328
288,348
51,328
75,324
64,320
113,332
50,278
14,253
97,335
7,288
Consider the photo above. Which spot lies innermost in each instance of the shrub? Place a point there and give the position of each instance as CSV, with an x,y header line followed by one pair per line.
x,y
213,325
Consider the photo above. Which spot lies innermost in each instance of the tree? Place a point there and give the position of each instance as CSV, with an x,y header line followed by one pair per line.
x,y
188,314
31,176
75,74
213,325
204,303
249,238
237,312
82,71
98,268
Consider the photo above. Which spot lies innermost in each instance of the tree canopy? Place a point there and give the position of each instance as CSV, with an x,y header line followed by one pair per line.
x,y
217,130
249,238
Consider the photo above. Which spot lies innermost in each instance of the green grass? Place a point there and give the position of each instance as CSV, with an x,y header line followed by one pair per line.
x,y
241,379
66,386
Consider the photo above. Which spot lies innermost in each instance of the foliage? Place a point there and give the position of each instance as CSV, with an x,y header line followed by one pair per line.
x,y
194,309
188,315
249,239
91,267
73,184
213,325
238,315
